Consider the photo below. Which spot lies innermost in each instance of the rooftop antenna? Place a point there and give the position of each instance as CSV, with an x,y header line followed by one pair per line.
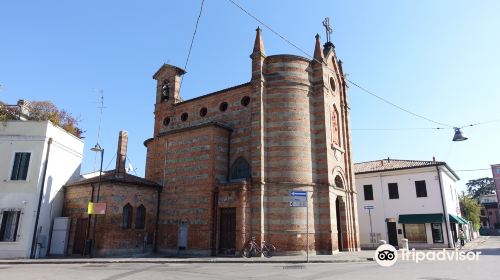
x,y
100,114
100,107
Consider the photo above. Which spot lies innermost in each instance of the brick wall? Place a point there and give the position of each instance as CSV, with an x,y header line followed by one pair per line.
x,y
285,133
111,238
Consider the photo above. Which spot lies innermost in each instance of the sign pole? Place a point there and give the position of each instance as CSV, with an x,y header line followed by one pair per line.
x,y
307,227
371,229
301,199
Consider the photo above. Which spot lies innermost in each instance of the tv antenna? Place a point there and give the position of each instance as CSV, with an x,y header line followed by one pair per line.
x,y
100,107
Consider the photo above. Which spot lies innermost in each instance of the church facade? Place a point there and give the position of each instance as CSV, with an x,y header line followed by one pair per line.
x,y
229,160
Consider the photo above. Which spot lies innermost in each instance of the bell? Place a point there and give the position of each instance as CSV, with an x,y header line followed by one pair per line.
x,y
459,136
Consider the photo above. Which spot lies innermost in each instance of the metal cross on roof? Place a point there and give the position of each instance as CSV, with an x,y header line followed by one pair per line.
x,y
328,28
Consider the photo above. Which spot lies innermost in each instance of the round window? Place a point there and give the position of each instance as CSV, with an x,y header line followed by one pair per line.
x,y
245,101
184,117
332,84
166,121
223,106
203,112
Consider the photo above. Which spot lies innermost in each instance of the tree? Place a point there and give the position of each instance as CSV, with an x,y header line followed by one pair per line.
x,y
470,209
8,112
44,111
481,186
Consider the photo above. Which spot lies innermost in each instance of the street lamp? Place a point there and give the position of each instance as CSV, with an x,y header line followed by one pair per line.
x,y
97,148
459,136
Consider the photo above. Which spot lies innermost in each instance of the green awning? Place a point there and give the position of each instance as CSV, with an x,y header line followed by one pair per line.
x,y
463,220
420,218
457,219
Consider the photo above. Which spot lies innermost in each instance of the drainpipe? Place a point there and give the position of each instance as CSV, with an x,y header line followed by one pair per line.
x,y
40,197
157,221
445,212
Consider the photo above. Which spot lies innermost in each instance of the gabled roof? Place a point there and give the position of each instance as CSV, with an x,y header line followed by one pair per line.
x,y
111,176
387,164
179,70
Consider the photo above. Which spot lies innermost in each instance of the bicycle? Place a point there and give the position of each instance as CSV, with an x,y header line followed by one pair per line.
x,y
252,249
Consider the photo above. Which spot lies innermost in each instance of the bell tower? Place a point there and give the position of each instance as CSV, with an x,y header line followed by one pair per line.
x,y
168,81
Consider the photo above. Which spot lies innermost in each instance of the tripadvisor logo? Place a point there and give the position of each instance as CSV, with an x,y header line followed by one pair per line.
x,y
386,255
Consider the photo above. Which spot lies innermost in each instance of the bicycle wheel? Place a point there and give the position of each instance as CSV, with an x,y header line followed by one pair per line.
x,y
247,252
269,251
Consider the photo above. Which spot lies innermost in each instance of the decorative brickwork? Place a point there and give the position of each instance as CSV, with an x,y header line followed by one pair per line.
x,y
114,235
290,123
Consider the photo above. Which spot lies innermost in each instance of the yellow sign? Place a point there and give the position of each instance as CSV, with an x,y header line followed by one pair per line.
x,y
98,208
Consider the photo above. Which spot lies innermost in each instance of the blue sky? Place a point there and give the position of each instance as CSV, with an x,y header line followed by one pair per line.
x,y
437,58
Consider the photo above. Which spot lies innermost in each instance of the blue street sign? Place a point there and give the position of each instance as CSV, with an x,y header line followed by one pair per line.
x,y
298,193
298,199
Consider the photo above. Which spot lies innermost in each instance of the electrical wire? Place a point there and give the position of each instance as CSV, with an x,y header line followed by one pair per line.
x,y
409,128
480,123
109,163
396,106
272,30
192,41
353,83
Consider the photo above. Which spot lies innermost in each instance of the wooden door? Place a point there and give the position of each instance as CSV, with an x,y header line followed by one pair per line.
x,y
227,233
80,236
339,225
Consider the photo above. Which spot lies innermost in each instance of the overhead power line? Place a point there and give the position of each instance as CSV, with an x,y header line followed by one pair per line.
x,y
353,83
396,106
192,40
270,29
408,128
480,123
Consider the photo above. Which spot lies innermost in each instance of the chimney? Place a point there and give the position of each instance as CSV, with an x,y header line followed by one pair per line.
x,y
121,153
24,112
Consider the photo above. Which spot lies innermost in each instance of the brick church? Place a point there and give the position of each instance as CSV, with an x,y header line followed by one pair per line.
x,y
228,160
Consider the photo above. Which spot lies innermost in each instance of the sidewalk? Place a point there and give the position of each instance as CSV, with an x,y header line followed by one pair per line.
x,y
473,244
342,257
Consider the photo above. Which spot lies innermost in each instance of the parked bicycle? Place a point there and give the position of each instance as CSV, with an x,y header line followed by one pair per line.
x,y
252,249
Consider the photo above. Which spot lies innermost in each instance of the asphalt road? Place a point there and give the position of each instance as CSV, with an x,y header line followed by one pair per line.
x,y
486,267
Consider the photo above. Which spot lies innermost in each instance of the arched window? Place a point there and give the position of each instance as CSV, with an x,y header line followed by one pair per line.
x,y
127,216
240,169
338,182
335,126
140,217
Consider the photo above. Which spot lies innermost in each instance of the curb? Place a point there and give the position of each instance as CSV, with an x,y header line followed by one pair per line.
x,y
180,261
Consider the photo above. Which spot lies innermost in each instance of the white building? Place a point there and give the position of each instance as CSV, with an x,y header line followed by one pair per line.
x,y
38,158
488,198
416,200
